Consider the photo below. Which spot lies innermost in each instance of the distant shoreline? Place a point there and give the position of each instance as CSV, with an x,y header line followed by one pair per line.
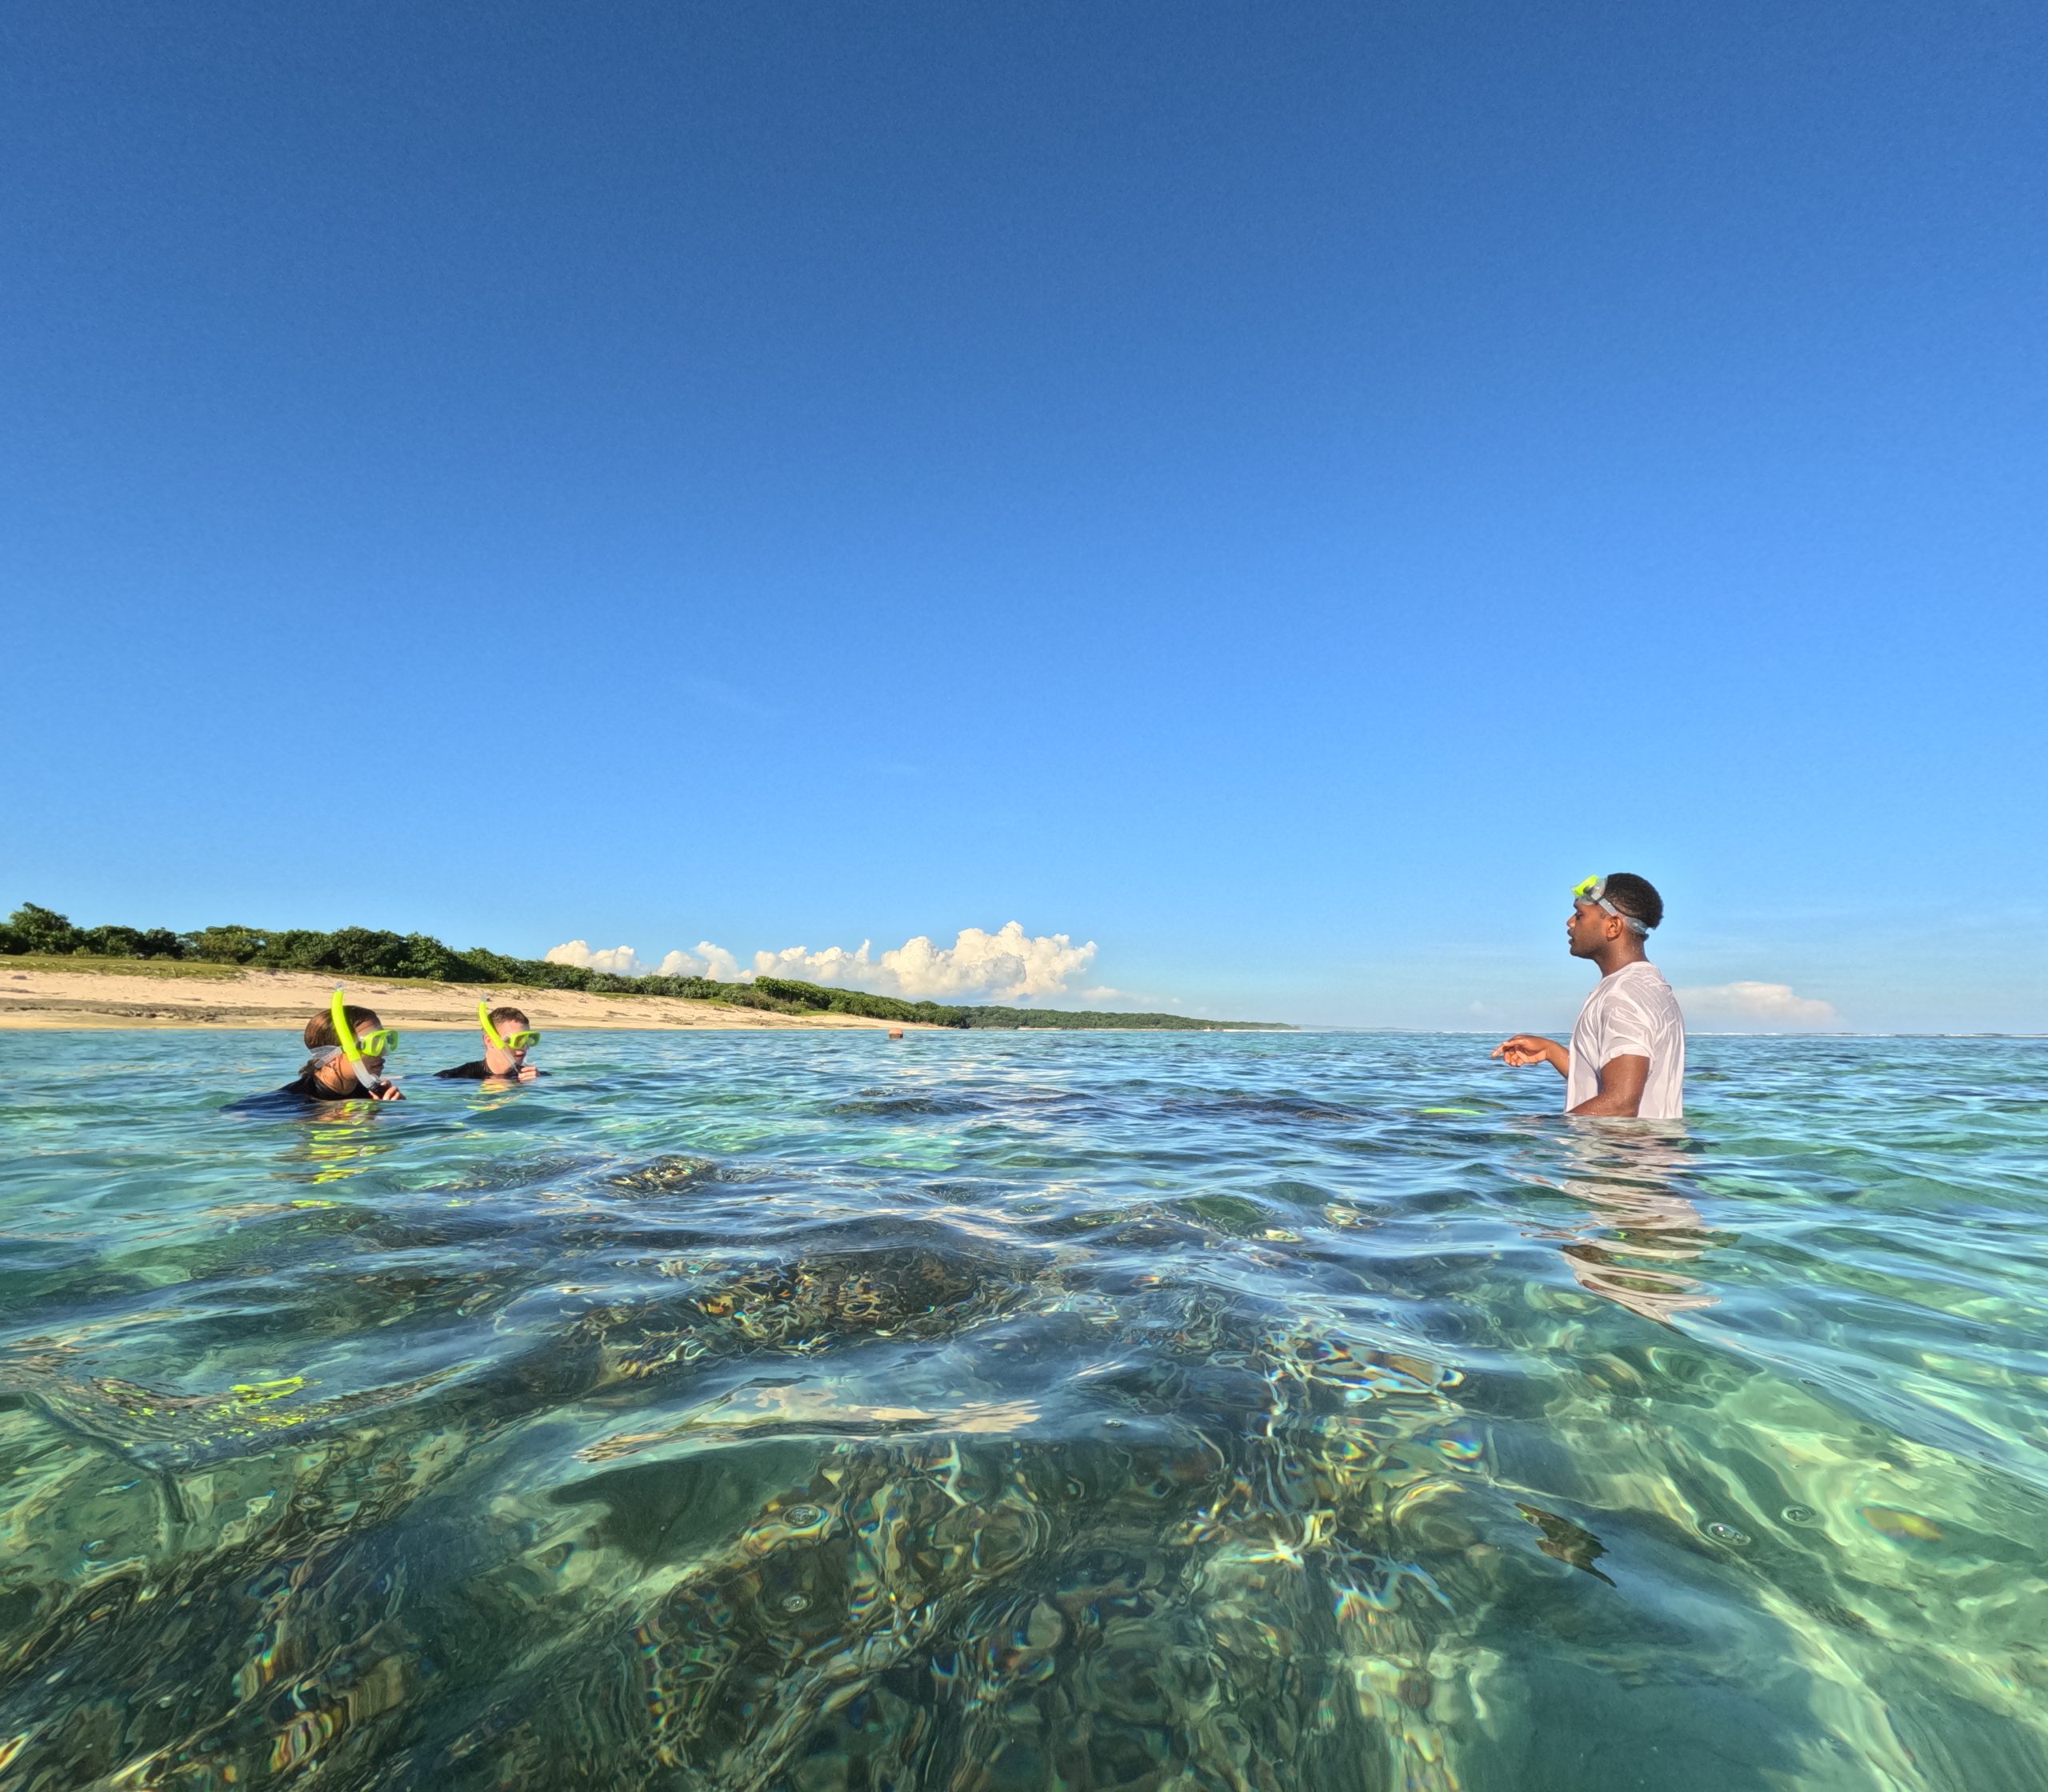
x,y
229,998
37,942
154,993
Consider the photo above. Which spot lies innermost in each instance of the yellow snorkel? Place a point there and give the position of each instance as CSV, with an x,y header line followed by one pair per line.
x,y
490,1032
345,1038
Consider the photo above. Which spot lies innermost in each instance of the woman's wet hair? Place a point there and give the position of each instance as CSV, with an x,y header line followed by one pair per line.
x,y
320,1030
1635,897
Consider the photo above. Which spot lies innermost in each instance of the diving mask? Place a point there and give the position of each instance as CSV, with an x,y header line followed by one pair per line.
x,y
1595,890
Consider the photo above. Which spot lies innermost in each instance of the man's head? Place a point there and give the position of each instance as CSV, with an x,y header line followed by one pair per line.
x,y
508,1034
1612,915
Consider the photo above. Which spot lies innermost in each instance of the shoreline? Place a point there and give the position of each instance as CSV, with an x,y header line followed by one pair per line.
x,y
233,998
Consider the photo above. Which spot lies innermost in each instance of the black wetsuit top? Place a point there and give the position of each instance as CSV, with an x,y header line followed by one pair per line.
x,y
305,1089
476,1070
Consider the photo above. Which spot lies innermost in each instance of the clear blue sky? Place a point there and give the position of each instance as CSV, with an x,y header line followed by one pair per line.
x,y
1278,492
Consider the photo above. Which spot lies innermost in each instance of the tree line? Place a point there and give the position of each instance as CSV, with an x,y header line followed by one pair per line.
x,y
373,952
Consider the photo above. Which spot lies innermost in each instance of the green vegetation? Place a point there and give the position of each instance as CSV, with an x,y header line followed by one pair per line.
x,y
122,967
48,939
785,994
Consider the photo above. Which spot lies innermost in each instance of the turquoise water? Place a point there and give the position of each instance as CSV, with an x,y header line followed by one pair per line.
x,y
985,1412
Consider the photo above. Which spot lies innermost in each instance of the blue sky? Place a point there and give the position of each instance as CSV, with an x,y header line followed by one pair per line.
x,y
1276,493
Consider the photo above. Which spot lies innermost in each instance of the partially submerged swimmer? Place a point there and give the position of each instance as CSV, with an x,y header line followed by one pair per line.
x,y
349,1045
508,1036
1627,1055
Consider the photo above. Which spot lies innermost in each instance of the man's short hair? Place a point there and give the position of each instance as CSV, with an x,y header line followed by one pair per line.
x,y
1635,897
500,1016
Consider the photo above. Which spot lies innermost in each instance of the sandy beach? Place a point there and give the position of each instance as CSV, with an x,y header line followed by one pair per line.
x,y
228,996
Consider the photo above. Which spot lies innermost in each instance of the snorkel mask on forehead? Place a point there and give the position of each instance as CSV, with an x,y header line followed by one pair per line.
x,y
372,1044
1595,890
521,1041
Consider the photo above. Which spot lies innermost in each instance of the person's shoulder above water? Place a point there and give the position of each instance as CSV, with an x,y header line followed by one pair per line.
x,y
508,1036
300,1093
476,1070
1643,981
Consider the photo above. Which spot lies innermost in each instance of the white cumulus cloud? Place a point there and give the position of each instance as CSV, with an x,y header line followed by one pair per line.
x,y
623,961
1768,1007
1009,965
707,960
619,960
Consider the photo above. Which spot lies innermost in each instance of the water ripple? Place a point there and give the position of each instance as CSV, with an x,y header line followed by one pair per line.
x,y
982,1412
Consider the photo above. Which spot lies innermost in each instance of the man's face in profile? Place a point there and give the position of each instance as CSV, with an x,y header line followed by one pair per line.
x,y
1589,929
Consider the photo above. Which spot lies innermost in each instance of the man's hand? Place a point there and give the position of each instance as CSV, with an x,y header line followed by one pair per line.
x,y
387,1092
1529,1048
1622,1082
527,1073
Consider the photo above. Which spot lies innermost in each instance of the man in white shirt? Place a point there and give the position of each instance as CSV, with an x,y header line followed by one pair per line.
x,y
1627,1055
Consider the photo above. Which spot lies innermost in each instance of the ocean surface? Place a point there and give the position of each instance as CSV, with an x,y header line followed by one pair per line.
x,y
990,1412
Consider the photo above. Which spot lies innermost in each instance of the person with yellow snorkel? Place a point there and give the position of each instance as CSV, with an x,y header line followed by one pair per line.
x,y
508,1036
1627,1055
349,1045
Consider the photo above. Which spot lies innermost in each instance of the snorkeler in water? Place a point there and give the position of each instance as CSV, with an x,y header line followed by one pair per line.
x,y
349,1045
508,1036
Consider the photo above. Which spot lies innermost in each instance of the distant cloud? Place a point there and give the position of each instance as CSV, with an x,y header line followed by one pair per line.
x,y
619,960
1008,965
623,961
1768,1007
707,960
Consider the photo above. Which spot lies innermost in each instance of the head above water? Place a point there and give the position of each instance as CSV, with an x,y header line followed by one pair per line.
x,y
367,1034
1611,916
508,1036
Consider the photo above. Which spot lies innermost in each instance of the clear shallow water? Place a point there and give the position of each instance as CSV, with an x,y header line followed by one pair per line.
x,y
983,1412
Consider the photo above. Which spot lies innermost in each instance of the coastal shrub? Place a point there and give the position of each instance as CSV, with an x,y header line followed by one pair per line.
x,y
860,1002
225,946
42,930
483,965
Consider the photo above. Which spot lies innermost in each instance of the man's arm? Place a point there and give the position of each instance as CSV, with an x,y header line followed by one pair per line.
x,y
1621,1081
1531,1048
